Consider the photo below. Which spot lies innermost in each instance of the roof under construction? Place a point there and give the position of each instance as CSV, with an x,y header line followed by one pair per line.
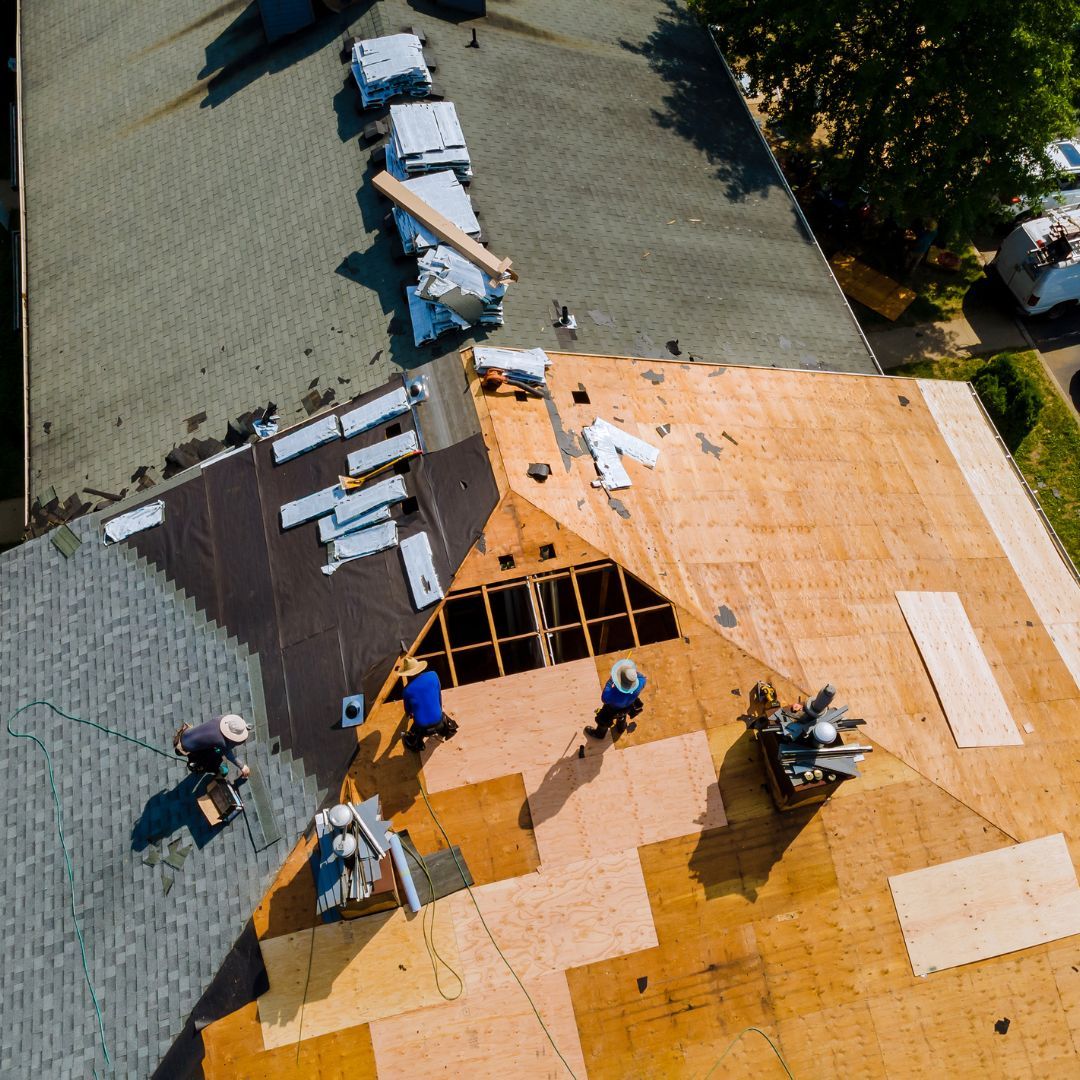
x,y
651,898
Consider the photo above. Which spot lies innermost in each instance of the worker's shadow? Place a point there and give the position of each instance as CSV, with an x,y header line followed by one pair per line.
x,y
566,776
169,812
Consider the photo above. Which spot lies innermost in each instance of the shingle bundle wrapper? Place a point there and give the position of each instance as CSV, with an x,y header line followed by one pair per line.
x,y
425,138
448,278
524,365
443,192
430,321
388,67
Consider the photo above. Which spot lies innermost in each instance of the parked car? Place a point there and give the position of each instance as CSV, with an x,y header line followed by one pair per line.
x,y
1039,264
1064,154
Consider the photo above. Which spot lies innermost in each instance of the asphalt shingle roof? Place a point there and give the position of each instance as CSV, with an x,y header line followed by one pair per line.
x,y
202,235
108,639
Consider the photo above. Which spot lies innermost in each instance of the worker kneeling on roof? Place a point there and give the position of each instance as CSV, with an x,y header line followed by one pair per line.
x,y
422,698
207,746
620,698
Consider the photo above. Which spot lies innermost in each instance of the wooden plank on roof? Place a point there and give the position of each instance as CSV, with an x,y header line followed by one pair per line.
x,y
969,694
579,914
515,723
484,1035
876,291
497,269
988,905
360,970
662,789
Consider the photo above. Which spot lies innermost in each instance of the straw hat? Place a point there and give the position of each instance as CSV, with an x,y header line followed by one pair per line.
x,y
410,667
235,728
624,675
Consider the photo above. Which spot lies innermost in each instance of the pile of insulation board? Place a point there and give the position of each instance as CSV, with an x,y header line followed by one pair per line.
x,y
388,67
444,193
426,138
451,294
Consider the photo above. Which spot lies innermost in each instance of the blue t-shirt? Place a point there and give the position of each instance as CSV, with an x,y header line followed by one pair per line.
x,y
621,699
423,699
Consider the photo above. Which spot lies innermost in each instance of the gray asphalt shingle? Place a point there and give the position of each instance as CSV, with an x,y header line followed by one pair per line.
x,y
105,639
202,237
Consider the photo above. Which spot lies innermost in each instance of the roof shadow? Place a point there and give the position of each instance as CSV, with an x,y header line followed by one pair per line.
x,y
240,54
702,105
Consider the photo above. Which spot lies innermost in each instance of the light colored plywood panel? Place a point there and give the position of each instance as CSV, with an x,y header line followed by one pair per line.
x,y
512,724
360,970
584,807
1052,588
988,904
973,702
576,914
484,1035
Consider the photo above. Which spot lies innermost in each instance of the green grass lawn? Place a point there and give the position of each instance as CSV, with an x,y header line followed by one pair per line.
x,y
1049,456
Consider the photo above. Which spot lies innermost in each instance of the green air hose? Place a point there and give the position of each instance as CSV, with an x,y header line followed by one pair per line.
x,y
63,842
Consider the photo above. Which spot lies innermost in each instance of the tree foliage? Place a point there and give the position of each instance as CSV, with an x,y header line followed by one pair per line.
x,y
1011,397
936,107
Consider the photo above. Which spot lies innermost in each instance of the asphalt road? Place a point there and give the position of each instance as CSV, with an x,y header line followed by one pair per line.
x,y
1059,342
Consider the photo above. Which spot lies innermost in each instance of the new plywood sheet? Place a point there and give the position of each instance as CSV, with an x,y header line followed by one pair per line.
x,y
546,922
965,684
513,724
584,807
1046,579
360,970
988,904
483,1035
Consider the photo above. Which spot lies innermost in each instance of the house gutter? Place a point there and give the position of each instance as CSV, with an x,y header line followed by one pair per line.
x,y
23,268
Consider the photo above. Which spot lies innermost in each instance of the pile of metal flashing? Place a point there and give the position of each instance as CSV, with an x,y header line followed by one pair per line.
x,y
523,365
431,321
443,192
448,278
425,138
420,570
353,840
388,67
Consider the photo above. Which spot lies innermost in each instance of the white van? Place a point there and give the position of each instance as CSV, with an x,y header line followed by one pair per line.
x,y
1039,263
1064,155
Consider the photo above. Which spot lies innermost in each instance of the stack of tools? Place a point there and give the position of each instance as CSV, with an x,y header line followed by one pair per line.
x,y
452,294
390,67
442,191
426,138
804,754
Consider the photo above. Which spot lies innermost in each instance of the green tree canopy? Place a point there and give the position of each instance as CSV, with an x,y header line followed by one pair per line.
x,y
937,107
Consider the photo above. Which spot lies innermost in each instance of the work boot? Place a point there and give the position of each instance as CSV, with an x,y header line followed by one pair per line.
x,y
620,726
412,743
596,732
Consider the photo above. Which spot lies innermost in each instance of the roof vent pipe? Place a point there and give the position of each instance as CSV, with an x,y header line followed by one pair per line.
x,y
822,700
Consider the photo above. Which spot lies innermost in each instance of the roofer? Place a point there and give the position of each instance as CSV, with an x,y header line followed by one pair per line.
x,y
207,746
422,698
620,698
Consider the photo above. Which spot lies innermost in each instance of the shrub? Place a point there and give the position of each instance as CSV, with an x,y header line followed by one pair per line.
x,y
1011,397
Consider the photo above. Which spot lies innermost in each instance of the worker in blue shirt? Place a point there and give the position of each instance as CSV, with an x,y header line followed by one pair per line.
x,y
620,698
422,698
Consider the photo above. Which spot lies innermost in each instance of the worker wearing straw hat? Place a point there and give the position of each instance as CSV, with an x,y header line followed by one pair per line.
x,y
209,745
620,697
422,698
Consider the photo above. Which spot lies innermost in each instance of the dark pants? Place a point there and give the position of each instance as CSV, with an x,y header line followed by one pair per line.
x,y
609,715
415,736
